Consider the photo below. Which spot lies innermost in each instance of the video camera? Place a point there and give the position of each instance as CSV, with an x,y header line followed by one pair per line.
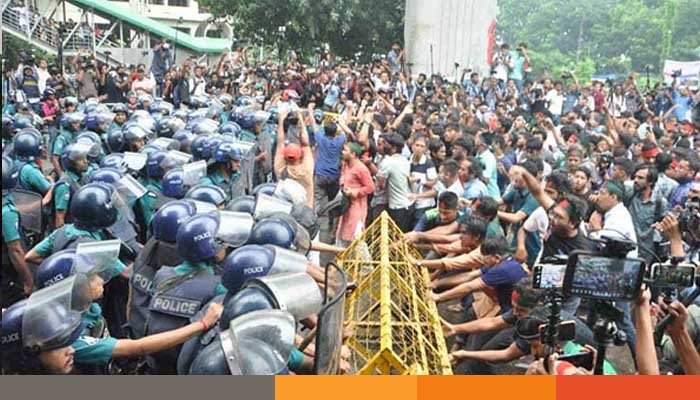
x,y
27,58
689,220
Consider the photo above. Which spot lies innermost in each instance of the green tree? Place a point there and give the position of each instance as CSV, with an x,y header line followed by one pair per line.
x,y
616,35
347,26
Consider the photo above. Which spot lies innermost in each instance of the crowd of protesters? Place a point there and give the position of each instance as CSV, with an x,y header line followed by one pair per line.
x,y
488,177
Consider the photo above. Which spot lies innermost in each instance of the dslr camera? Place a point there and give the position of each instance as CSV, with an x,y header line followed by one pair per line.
x,y
689,220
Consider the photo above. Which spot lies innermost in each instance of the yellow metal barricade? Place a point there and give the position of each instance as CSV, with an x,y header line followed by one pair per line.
x,y
329,117
396,325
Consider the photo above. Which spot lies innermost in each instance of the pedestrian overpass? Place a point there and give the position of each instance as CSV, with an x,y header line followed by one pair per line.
x,y
127,39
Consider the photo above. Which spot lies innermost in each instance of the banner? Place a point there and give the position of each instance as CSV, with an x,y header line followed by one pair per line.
x,y
689,72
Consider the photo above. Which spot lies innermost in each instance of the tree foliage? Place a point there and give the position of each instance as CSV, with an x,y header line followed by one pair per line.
x,y
602,35
347,26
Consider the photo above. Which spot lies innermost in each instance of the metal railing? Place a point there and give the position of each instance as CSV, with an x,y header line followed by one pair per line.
x,y
47,32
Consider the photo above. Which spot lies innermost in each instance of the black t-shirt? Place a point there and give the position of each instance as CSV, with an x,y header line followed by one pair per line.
x,y
114,94
556,246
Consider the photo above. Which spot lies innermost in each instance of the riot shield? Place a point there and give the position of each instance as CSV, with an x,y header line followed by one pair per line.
x,y
52,316
329,327
97,258
291,191
259,342
192,173
296,293
286,261
28,206
234,227
267,205
166,144
180,157
135,161
302,240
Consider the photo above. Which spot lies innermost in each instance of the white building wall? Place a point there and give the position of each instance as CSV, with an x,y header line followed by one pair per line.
x,y
456,29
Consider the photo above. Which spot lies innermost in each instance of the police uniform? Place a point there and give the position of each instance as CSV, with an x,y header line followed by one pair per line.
x,y
68,236
147,204
12,290
31,178
216,178
64,138
69,183
179,293
91,348
248,136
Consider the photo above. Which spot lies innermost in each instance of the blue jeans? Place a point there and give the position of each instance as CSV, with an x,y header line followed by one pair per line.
x,y
628,326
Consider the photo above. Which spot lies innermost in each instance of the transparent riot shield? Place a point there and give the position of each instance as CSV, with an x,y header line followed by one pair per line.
x,y
192,173
259,342
166,144
296,293
135,161
291,191
286,261
234,227
180,157
29,207
97,258
203,207
329,327
267,205
53,313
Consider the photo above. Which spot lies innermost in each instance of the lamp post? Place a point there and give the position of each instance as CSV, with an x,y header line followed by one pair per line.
x,y
282,32
177,29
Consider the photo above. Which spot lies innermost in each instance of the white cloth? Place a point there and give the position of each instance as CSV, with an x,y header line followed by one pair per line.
x,y
556,102
619,221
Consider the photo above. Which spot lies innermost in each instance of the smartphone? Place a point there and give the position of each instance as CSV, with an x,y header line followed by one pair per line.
x,y
567,331
583,359
668,275
593,276
548,276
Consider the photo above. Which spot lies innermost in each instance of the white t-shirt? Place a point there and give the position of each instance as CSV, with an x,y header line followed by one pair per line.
x,y
556,102
538,221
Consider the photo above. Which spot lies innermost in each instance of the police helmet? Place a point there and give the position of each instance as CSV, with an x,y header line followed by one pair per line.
x,y
173,184
93,207
264,188
153,164
120,108
28,144
200,148
114,160
227,152
169,218
230,129
246,262
106,175
244,204
272,231
246,300
196,238
185,138
22,122
115,141
55,268
207,193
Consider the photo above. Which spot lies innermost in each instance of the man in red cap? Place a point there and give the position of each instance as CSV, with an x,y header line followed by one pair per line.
x,y
294,160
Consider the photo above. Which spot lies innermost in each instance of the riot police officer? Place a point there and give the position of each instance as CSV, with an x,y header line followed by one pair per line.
x,y
180,292
29,149
16,281
68,133
74,161
37,338
160,250
227,162
121,114
154,175
94,349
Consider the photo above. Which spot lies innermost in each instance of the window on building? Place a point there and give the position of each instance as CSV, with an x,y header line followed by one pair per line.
x,y
156,2
182,29
214,33
179,3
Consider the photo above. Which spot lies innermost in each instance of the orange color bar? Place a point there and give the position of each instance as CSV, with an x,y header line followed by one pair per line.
x,y
487,387
346,388
627,387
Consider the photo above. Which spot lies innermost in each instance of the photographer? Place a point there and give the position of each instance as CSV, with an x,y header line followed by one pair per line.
x,y
86,75
117,84
519,60
646,209
28,83
162,61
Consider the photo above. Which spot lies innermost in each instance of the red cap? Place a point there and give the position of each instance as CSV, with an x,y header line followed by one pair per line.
x,y
292,152
653,152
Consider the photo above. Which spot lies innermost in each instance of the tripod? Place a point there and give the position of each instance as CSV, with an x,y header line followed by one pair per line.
x,y
605,330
